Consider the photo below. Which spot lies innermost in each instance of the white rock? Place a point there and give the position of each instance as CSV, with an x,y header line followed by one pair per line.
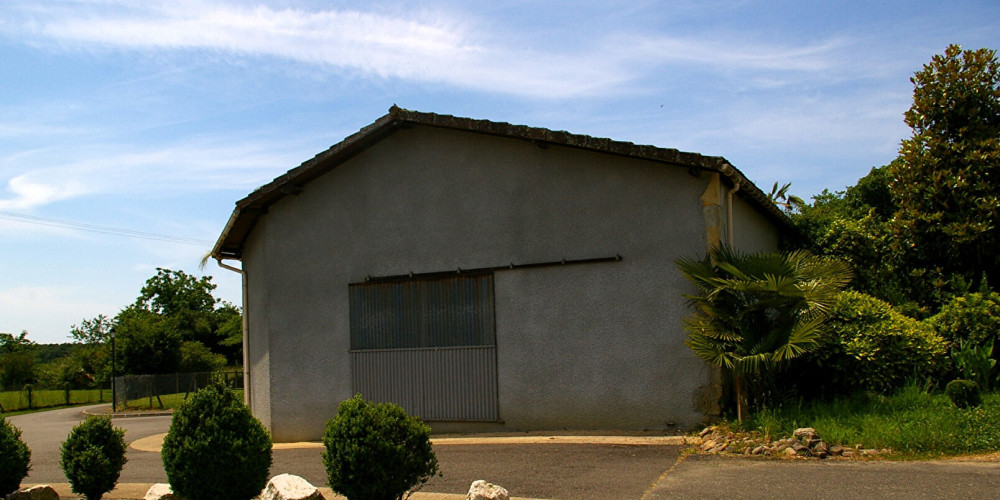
x,y
290,487
160,491
40,492
481,490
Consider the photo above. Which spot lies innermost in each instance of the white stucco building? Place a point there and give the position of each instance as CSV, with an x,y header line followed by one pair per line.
x,y
484,275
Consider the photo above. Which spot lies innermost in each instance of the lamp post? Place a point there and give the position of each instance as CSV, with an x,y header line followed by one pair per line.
x,y
114,388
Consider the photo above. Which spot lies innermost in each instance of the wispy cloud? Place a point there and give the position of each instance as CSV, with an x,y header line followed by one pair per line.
x,y
420,45
45,176
733,54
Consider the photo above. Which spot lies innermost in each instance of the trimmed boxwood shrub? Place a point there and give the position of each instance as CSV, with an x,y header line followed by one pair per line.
x,y
868,345
377,451
93,456
15,458
215,448
964,393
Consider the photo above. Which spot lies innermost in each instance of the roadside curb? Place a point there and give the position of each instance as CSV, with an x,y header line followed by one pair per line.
x,y
155,442
105,411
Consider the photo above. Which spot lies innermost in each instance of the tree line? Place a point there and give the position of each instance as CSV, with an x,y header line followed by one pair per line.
x,y
174,325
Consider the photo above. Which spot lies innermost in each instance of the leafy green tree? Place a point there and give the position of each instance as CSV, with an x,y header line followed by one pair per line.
x,y
17,360
147,342
195,357
852,226
94,331
9,343
230,329
185,299
195,313
173,309
757,311
946,180
93,353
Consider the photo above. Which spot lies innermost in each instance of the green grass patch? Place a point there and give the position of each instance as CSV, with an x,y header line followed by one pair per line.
x,y
169,402
911,422
18,401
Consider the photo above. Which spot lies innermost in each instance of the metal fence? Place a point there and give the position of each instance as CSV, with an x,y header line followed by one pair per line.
x,y
164,390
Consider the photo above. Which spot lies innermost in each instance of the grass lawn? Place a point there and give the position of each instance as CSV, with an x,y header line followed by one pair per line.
x,y
912,423
170,401
17,401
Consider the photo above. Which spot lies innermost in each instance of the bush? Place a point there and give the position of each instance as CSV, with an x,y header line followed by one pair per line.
x,y
975,362
15,458
93,456
377,451
964,393
215,449
974,317
868,345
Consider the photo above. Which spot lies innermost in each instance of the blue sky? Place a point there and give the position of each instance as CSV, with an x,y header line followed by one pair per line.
x,y
156,117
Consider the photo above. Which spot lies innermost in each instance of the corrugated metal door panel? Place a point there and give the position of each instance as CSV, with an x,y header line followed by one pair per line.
x,y
435,384
441,312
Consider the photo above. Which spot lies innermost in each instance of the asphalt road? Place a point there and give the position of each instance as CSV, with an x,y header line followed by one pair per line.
x,y
44,433
578,471
736,478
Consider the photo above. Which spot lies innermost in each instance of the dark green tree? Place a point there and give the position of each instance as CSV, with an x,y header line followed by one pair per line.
x,y
195,313
852,225
94,331
93,355
758,311
17,360
174,309
146,342
946,180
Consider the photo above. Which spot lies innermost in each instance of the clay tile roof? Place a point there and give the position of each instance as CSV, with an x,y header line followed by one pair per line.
x,y
249,209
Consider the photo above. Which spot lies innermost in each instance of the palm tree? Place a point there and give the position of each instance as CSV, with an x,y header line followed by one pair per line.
x,y
787,202
756,311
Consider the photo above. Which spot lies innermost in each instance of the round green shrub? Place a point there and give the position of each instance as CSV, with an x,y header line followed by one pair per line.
x,y
974,317
868,345
377,451
93,456
15,458
964,393
216,449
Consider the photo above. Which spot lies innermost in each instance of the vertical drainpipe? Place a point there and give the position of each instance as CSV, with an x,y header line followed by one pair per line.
x,y
244,326
730,239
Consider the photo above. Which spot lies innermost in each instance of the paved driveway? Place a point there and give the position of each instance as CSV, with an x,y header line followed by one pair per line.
x,y
576,470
